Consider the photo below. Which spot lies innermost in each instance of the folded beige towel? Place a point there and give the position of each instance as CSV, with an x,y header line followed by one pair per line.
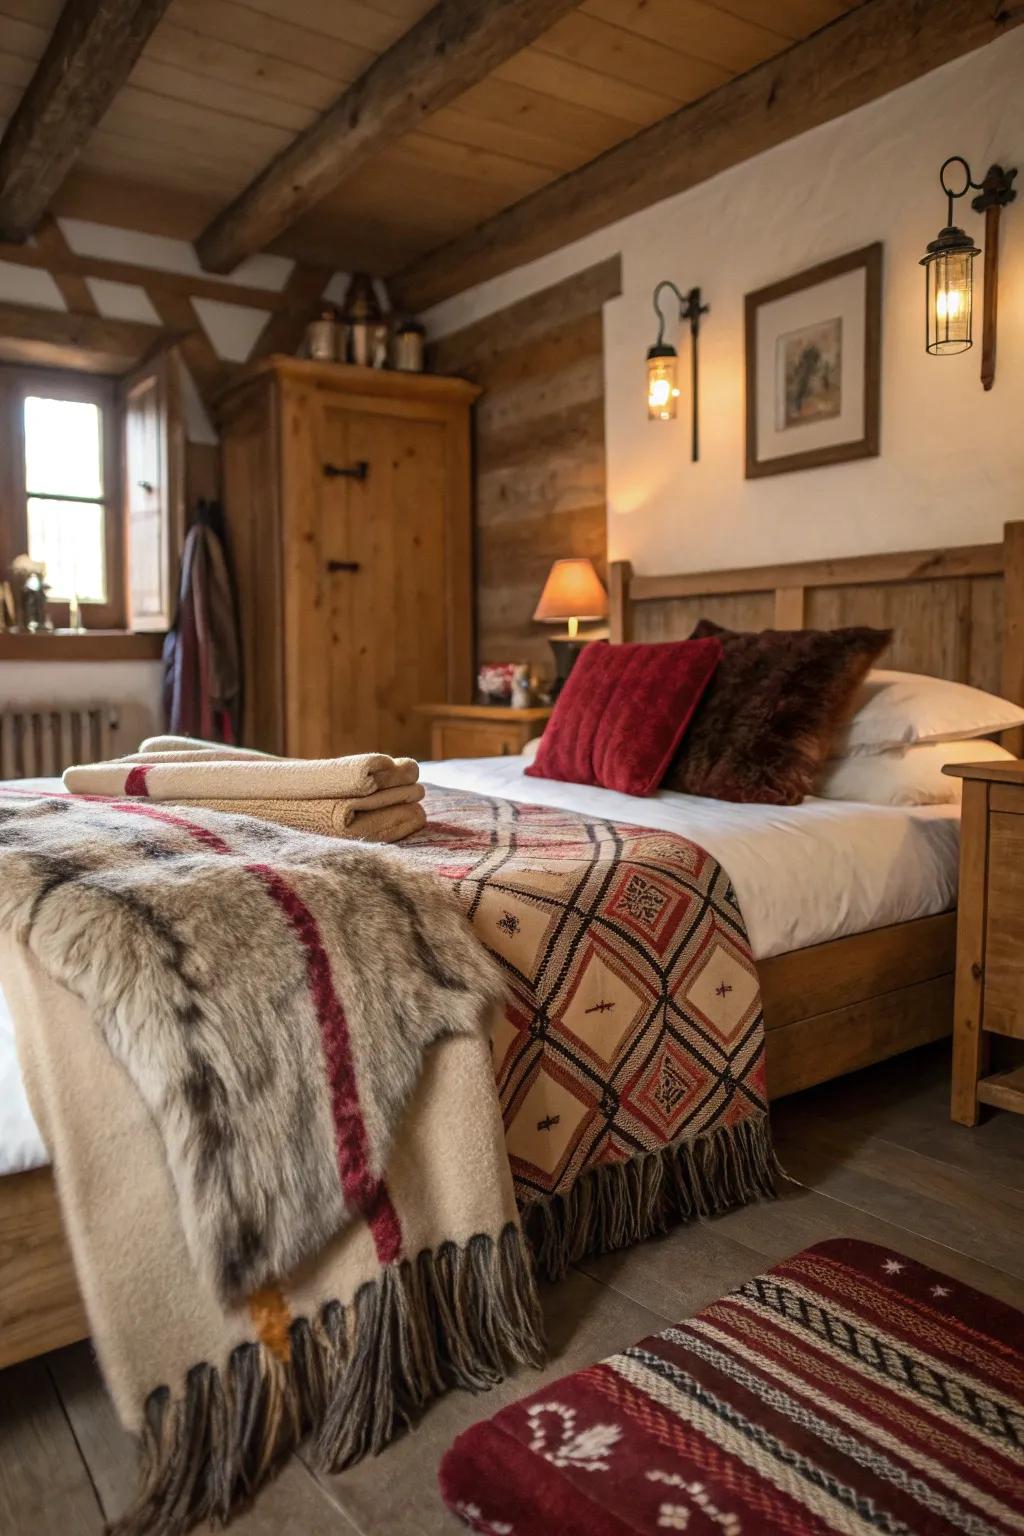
x,y
272,778
341,812
198,744
389,822
195,755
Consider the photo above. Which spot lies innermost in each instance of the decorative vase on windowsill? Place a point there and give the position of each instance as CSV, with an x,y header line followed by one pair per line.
x,y
572,592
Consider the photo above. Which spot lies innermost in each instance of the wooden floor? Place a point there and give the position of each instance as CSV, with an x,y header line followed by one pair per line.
x,y
874,1156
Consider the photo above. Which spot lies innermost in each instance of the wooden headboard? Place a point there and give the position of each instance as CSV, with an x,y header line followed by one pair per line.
x,y
954,613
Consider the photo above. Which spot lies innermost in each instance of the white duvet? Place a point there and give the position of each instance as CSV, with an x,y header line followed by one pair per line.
x,y
803,874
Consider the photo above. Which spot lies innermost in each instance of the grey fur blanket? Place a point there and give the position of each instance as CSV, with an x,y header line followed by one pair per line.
x,y
260,1062
270,995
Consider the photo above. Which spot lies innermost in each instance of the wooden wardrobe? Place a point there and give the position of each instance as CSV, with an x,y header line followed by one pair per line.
x,y
347,497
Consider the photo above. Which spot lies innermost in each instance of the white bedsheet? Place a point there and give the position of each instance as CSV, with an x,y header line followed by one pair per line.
x,y
21,1146
803,874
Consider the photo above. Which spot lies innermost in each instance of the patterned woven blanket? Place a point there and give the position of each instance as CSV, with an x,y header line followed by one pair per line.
x,y
630,1060
848,1390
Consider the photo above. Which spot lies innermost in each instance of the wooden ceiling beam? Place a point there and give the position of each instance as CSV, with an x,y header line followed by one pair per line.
x,y
65,264
54,338
89,57
453,47
867,53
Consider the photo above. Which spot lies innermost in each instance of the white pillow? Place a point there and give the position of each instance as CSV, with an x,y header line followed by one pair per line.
x,y
531,748
912,776
902,709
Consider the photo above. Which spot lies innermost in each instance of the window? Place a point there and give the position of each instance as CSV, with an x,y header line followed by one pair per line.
x,y
65,501
62,493
92,483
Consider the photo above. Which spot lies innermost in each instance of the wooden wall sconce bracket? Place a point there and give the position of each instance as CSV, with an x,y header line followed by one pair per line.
x,y
997,190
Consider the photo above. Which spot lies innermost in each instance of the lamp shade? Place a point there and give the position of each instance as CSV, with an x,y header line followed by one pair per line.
x,y
573,590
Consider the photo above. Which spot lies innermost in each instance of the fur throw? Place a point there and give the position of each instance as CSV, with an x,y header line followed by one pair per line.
x,y
763,729
270,995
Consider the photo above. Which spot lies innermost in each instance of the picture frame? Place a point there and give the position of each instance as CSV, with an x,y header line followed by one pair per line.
x,y
813,366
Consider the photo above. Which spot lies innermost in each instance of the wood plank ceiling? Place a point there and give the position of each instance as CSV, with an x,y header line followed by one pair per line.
x,y
223,86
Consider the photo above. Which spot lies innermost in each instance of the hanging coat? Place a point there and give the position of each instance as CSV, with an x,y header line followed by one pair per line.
x,y
203,653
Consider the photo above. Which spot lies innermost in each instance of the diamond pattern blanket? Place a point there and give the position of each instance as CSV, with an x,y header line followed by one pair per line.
x,y
849,1389
630,1058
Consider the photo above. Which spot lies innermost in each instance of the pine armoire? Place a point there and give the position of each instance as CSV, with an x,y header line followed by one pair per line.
x,y
348,506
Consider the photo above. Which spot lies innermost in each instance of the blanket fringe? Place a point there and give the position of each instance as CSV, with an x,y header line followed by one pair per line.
x,y
618,1204
455,1317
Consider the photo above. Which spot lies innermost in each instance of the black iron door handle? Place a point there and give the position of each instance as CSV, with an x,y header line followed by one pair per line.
x,y
342,565
357,471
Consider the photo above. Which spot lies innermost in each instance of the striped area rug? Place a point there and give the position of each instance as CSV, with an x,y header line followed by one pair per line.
x,y
848,1389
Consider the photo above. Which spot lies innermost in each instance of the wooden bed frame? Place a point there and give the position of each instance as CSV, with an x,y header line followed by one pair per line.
x,y
830,1008
955,613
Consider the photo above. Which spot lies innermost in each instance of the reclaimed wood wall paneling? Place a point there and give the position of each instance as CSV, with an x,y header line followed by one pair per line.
x,y
539,460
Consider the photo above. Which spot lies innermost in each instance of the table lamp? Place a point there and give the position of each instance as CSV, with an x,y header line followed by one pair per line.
x,y
573,591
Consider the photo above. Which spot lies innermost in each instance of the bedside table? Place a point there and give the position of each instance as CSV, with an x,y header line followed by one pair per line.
x,y
481,730
989,936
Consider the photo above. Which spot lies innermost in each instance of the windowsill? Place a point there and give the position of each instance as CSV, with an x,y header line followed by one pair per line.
x,y
81,645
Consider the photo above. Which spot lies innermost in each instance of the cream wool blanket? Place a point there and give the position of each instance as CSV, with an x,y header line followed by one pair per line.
x,y
260,1065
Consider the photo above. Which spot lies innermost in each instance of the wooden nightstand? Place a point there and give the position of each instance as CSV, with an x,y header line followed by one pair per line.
x,y
989,936
481,730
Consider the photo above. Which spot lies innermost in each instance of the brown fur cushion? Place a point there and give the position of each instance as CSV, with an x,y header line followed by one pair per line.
x,y
764,727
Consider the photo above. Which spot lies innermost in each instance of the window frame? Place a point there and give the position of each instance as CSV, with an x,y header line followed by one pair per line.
x,y
16,384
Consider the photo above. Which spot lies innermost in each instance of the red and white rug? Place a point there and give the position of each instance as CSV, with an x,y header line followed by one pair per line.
x,y
848,1389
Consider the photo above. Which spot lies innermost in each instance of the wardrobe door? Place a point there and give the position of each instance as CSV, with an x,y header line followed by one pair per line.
x,y
383,534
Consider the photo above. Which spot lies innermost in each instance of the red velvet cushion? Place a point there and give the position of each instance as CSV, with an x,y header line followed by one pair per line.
x,y
623,712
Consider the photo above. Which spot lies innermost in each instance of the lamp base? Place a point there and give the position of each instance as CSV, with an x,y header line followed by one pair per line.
x,y
565,654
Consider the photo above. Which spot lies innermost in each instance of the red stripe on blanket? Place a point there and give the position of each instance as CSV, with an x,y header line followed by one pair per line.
x,y
362,1189
367,1193
135,783
211,840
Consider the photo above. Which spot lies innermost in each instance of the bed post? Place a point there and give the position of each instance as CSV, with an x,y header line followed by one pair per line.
x,y
620,617
1013,627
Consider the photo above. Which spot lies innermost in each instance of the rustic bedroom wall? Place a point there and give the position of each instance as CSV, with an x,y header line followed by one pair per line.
x,y
539,449
951,469
79,266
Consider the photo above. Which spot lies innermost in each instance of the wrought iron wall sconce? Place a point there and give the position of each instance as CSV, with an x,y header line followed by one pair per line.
x,y
949,269
663,362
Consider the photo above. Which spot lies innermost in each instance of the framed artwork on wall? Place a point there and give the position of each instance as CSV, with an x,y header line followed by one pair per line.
x,y
813,366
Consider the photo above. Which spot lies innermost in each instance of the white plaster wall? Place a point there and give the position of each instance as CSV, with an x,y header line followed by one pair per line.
x,y
951,470
132,687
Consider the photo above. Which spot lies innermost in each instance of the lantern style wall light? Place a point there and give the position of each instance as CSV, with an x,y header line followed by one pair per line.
x,y
663,361
949,268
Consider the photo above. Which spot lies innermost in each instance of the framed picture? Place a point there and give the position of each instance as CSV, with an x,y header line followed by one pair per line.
x,y
813,366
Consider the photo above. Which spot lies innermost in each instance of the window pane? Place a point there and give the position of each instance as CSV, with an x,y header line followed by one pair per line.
x,y
68,536
63,447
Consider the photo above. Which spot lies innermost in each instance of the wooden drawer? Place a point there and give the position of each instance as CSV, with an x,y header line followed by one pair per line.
x,y
1004,925
466,738
1006,797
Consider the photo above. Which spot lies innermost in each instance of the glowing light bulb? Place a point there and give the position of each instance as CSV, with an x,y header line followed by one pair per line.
x,y
662,390
949,303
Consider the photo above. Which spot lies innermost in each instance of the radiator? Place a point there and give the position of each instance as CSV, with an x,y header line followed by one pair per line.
x,y
41,743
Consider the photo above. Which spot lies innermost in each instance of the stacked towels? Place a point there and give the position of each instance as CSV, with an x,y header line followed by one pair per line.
x,y
372,797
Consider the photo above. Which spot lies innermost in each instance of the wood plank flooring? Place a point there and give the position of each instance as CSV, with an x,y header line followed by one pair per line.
x,y
873,1155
